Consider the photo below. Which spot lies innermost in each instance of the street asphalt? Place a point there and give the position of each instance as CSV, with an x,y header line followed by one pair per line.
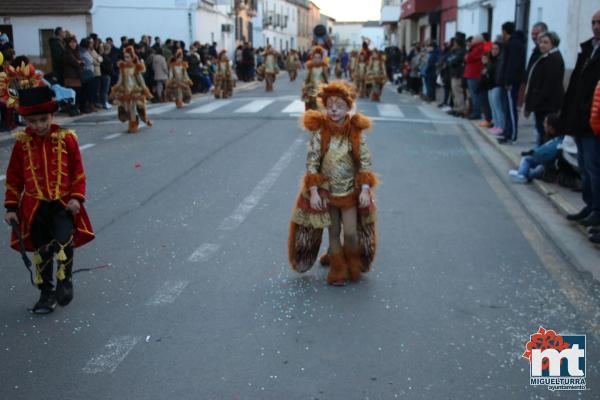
x,y
191,295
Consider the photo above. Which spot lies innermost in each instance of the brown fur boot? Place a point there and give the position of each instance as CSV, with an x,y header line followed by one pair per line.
x,y
355,264
338,273
325,260
133,127
179,104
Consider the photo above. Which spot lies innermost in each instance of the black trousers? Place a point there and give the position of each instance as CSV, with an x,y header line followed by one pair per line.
x,y
52,228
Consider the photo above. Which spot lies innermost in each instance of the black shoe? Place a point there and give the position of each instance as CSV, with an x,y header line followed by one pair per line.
x,y
64,291
46,304
580,215
595,238
594,230
503,140
591,220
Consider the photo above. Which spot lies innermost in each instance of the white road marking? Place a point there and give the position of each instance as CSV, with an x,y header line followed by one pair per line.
x,y
2,177
210,107
296,106
254,106
113,136
161,109
429,113
86,146
419,121
204,252
233,221
115,352
390,110
168,292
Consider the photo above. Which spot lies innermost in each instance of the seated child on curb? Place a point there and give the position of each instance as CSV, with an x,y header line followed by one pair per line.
x,y
534,161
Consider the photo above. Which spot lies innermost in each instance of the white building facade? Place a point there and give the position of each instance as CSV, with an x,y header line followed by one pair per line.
x,y
215,22
276,23
390,17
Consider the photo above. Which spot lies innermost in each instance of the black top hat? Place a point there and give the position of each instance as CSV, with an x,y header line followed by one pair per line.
x,y
37,100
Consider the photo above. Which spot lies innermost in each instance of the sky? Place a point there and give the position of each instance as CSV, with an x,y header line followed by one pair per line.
x,y
350,10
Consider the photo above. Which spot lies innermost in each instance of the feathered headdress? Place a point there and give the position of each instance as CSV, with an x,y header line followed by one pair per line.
x,y
14,79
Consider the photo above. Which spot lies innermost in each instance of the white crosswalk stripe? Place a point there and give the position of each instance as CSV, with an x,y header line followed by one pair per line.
x,y
210,107
390,110
161,109
254,106
296,106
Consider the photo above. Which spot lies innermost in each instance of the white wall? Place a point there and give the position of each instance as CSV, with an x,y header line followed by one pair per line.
x,y
570,19
473,18
376,35
208,27
280,38
348,33
133,18
26,30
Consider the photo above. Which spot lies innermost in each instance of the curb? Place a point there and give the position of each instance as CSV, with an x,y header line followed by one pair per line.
x,y
559,201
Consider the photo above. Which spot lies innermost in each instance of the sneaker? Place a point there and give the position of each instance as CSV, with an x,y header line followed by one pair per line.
x,y
64,291
591,220
485,124
518,178
107,106
46,304
595,238
496,131
513,172
446,108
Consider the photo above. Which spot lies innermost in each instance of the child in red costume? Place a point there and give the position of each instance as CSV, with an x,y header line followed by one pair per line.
x,y
45,191
337,191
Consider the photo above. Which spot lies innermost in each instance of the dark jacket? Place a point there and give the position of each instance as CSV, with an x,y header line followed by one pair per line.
x,y
512,70
535,54
575,113
57,52
545,90
73,69
456,62
107,66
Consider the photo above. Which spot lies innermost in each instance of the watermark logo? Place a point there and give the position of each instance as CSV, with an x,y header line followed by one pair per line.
x,y
556,361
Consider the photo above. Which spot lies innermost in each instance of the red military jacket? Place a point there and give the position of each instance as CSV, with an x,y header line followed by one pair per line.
x,y
46,168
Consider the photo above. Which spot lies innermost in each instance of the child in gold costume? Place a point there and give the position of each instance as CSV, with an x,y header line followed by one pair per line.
x,y
179,85
337,191
130,92
317,72
223,77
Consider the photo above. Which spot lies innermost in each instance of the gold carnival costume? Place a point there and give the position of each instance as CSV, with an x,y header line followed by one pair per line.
x,y
223,77
179,85
293,64
339,164
317,73
376,76
268,70
130,92
360,75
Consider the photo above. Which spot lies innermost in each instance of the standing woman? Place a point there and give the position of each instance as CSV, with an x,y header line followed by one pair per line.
x,y
496,93
73,70
545,92
87,76
161,73
106,69
97,81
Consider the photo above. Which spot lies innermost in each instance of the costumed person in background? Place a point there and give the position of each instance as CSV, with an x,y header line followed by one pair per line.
x,y
293,64
268,70
179,85
339,72
336,192
317,72
223,77
360,75
352,64
130,92
376,75
45,191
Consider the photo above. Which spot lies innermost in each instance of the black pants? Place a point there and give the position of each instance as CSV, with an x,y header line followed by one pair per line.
x,y
52,228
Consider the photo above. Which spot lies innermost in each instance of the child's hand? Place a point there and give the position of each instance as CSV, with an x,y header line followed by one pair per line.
x,y
74,206
316,203
364,199
11,216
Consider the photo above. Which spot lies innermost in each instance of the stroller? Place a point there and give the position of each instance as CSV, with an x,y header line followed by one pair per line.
x,y
65,97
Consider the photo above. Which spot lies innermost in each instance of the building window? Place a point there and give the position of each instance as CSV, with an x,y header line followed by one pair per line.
x,y
45,36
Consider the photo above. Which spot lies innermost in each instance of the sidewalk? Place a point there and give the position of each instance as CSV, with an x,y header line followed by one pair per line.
x,y
566,200
62,119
